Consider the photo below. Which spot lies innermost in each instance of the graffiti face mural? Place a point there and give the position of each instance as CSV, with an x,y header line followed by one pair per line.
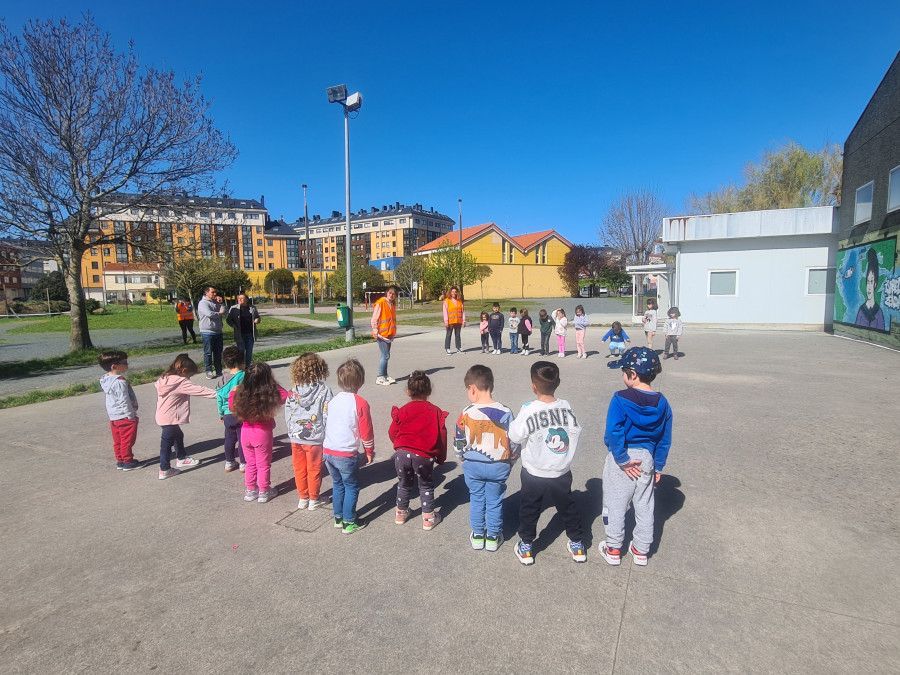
x,y
868,287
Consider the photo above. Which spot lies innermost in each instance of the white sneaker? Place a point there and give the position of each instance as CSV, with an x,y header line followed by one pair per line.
x,y
560,356
267,495
303,503
316,503
390,380
449,353
496,351
459,351
187,461
380,380
525,352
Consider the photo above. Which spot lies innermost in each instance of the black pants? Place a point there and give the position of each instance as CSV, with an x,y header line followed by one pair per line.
x,y
672,341
453,328
497,338
523,338
171,435
187,325
409,467
485,341
545,343
532,496
233,438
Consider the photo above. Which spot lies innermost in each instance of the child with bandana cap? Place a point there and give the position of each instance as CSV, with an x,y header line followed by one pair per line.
x,y
638,435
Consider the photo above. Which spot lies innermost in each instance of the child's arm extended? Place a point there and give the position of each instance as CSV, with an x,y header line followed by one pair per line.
x,y
366,432
518,431
191,389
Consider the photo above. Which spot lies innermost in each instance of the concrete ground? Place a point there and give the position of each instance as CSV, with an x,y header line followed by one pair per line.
x,y
777,541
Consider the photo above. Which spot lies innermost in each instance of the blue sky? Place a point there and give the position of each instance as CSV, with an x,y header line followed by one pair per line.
x,y
535,114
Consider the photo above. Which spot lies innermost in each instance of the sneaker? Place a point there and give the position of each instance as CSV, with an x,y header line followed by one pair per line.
x,y
675,357
303,504
267,495
523,553
665,356
493,541
576,548
168,474
131,466
119,465
561,355
612,555
242,467
429,522
639,558
477,540
316,503
187,461
251,495
525,352
449,353
230,466
390,380
210,375
400,516
380,380
338,523
350,528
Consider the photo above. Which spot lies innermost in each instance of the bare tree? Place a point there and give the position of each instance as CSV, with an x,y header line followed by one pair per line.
x,y
80,123
408,273
633,223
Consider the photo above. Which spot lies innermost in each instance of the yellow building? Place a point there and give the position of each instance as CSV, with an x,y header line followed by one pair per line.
x,y
525,266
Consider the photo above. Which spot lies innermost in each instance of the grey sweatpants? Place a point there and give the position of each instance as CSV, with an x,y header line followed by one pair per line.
x,y
619,491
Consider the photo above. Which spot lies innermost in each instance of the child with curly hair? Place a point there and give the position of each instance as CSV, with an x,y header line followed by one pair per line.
x,y
255,402
305,412
419,433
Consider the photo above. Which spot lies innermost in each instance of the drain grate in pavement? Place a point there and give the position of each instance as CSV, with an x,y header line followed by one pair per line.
x,y
304,520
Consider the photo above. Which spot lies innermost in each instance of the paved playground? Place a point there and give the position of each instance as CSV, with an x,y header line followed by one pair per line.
x,y
777,547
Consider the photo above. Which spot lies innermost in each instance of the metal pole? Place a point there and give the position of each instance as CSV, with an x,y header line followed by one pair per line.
x,y
312,299
351,331
460,248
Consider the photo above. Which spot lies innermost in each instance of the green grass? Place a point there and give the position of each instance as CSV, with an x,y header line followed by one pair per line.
x,y
152,374
116,318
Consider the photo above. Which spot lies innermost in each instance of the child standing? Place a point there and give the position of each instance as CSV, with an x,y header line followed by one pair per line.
x,y
121,406
559,318
495,328
650,320
349,422
673,329
255,402
638,435
305,413
581,322
173,408
419,433
617,338
548,433
233,359
524,329
483,332
547,326
513,331
482,445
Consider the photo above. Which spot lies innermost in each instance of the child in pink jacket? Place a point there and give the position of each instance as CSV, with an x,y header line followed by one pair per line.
x,y
173,408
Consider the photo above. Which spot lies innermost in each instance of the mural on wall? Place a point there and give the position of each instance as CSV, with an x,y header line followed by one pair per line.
x,y
868,286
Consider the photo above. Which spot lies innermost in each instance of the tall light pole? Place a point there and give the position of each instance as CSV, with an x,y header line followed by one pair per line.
x,y
309,282
460,247
350,104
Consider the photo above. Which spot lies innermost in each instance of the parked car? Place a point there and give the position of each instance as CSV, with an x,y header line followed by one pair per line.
x,y
602,292
584,292
625,290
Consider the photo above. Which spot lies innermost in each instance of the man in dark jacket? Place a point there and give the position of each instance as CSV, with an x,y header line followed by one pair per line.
x,y
243,318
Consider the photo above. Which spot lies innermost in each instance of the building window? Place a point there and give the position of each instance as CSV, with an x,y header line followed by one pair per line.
x,y
258,230
723,283
96,278
232,216
894,190
251,216
219,214
259,254
93,251
95,266
863,210
106,252
271,266
259,242
204,214
817,280
271,254
261,266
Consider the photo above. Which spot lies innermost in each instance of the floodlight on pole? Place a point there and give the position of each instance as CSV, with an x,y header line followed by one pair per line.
x,y
309,282
350,103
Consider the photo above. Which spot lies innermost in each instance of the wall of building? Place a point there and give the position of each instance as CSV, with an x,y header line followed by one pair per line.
x,y
772,278
519,281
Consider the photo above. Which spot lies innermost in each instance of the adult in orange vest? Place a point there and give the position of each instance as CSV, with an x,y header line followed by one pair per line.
x,y
384,328
185,314
454,318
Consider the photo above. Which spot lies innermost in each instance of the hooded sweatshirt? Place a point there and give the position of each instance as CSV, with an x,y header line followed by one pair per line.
x,y
421,428
121,403
305,413
639,419
173,403
548,434
223,388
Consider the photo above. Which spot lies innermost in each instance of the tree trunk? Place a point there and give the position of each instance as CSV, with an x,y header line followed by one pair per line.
x,y
80,337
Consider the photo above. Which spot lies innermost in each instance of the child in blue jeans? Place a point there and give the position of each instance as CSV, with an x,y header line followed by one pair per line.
x,y
482,444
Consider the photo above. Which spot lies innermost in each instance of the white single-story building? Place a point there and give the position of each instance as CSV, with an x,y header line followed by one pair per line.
x,y
758,267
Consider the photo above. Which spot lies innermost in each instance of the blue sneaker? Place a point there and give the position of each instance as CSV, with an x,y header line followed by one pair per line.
x,y
523,553
576,548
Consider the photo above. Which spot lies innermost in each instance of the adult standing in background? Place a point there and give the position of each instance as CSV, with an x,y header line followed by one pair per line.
x,y
243,318
210,312
185,313
454,318
384,328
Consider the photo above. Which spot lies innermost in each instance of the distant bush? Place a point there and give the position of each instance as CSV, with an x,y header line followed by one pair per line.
x,y
139,303
91,305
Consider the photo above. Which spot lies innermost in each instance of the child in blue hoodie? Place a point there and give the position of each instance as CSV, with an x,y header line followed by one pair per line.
x,y
638,435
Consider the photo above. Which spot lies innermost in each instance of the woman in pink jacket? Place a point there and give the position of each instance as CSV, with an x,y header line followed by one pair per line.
x,y
173,408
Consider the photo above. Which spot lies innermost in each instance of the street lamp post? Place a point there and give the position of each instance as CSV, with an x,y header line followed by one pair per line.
x,y
309,282
460,247
350,104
